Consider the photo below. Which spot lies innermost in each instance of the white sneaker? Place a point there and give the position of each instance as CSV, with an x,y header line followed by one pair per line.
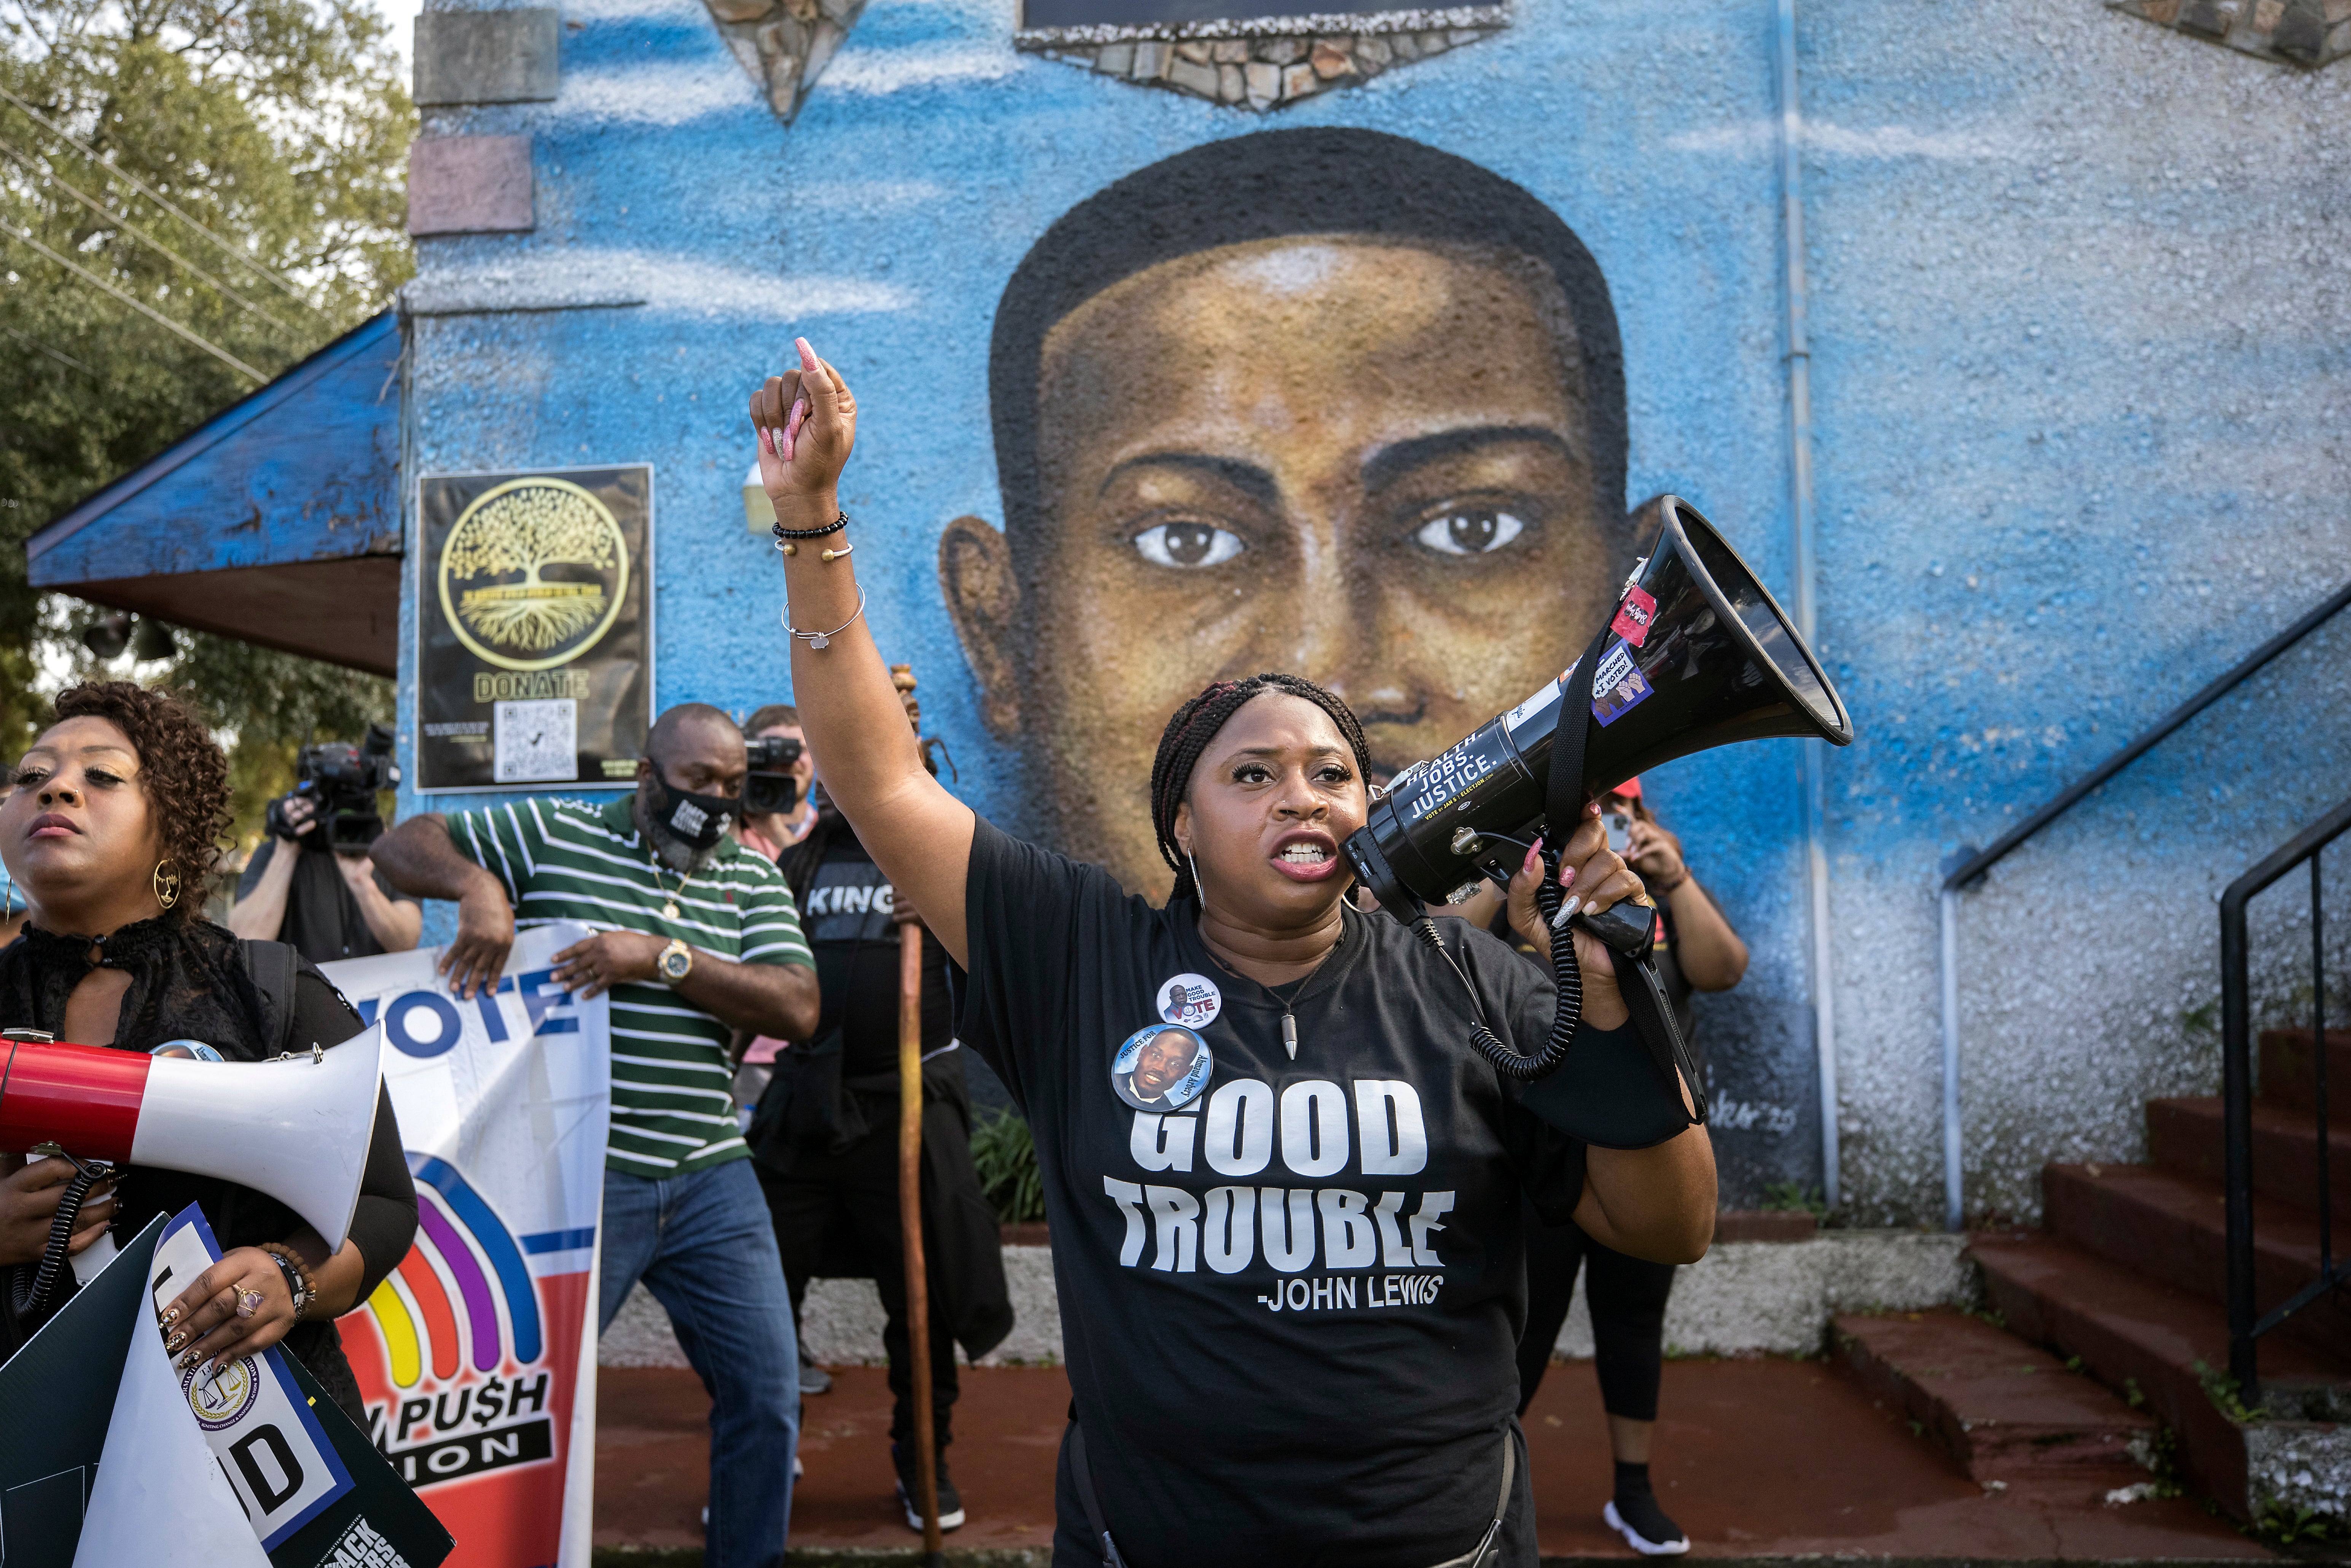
x,y
1670,1540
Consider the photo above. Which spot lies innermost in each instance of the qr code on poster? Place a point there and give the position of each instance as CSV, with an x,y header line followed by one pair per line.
x,y
537,742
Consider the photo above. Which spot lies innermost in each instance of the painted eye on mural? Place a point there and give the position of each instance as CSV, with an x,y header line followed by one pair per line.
x,y
1468,530
1187,544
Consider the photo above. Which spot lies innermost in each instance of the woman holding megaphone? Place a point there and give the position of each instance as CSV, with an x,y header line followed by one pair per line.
x,y
1284,1192
111,835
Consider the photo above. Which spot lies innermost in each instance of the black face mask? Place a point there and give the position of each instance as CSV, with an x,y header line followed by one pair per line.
x,y
694,821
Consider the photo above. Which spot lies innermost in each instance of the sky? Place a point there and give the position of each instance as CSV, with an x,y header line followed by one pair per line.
x,y
402,15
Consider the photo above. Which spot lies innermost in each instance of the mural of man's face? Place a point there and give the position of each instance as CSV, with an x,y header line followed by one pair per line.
x,y
1364,460
1161,1065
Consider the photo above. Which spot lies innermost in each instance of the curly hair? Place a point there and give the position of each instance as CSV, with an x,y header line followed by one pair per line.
x,y
1195,723
182,770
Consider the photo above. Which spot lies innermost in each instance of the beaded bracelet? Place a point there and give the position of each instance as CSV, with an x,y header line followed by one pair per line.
x,y
784,535
297,1276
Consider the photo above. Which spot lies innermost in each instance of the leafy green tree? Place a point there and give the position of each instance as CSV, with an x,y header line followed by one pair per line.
x,y
227,177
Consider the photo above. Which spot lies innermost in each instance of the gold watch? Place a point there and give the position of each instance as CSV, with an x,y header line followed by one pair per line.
x,y
675,963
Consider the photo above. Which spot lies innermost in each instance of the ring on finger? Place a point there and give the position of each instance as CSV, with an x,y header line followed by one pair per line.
x,y
249,1302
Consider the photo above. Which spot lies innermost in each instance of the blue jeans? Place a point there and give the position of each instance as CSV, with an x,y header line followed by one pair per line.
x,y
704,1247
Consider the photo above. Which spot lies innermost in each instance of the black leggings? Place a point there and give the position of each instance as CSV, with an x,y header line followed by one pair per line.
x,y
1628,1297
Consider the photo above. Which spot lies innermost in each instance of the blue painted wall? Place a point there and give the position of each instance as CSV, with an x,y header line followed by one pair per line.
x,y
2079,350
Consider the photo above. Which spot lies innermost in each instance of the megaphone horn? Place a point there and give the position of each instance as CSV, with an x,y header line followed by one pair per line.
x,y
1702,656
297,1128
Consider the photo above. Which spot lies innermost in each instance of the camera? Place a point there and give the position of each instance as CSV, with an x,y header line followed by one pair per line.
x,y
340,781
771,790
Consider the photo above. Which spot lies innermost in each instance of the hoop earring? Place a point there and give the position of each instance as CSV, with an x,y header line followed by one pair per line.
x,y
167,885
1198,892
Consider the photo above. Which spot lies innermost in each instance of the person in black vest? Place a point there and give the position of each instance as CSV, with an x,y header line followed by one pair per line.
x,y
1321,1370
824,1140
1696,950
329,904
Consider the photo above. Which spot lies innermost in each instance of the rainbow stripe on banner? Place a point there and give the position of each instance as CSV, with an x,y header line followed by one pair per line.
x,y
461,1239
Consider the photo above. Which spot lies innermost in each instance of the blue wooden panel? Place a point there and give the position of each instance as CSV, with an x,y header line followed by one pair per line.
x,y
306,469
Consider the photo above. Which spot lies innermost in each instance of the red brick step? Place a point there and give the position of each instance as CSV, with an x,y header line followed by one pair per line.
x,y
2185,1137
2172,1228
2289,1075
2140,1337
2005,1409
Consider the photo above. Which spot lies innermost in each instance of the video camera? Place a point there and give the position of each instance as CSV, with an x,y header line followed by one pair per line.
x,y
341,780
771,790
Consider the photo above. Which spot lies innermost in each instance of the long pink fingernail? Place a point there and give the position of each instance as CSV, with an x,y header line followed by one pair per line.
x,y
1534,857
1567,876
808,355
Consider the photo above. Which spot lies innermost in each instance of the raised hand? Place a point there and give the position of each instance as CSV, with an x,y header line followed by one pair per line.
x,y
807,422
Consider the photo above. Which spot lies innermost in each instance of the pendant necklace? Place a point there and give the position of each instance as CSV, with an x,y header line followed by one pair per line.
x,y
1297,989
669,909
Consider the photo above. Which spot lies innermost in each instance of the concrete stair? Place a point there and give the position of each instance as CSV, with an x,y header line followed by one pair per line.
x,y
2127,1280
2004,1410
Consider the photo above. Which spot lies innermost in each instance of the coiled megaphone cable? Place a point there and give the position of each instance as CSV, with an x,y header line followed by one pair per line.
x,y
1565,971
27,1296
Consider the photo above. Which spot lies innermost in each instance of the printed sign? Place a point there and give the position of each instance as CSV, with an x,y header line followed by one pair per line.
x,y
94,1384
534,627
264,1435
476,1356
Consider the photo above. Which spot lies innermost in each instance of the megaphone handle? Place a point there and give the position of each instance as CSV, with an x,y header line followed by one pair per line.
x,y
1627,926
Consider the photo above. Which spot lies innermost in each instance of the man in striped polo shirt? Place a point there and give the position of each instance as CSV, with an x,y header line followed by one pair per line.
x,y
695,938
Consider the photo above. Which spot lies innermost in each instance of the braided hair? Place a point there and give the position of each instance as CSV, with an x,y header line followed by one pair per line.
x,y
1195,723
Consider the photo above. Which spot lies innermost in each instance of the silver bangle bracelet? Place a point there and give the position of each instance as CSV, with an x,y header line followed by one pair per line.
x,y
822,639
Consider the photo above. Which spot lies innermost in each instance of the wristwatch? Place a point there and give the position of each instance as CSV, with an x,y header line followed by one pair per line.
x,y
675,963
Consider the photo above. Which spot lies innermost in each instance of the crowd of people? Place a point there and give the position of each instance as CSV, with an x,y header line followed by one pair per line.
x,y
1171,1060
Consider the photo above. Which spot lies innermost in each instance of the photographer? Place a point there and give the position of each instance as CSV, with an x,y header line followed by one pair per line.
x,y
310,882
1696,950
1261,1375
327,904
770,833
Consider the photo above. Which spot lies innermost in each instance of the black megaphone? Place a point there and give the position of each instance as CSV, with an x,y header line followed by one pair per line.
x,y
1698,655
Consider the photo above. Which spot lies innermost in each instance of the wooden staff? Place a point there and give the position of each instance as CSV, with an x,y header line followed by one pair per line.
x,y
909,1219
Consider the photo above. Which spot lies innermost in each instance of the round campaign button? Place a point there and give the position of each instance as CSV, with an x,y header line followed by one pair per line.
x,y
1192,1000
1161,1067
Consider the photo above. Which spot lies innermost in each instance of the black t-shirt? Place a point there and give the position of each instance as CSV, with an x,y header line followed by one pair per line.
x,y
322,922
846,918
1290,1290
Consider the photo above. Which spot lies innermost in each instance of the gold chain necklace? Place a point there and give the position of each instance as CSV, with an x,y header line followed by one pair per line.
x,y
669,909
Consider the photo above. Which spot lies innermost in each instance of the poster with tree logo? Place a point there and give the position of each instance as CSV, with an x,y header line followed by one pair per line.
x,y
534,628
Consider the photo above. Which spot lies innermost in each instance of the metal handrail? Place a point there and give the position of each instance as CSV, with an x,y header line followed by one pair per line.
x,y
2237,1096
1979,861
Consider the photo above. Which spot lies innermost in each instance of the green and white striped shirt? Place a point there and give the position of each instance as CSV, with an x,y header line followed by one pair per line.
x,y
672,1102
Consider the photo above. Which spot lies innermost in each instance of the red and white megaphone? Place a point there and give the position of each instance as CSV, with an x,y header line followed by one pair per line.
x,y
297,1128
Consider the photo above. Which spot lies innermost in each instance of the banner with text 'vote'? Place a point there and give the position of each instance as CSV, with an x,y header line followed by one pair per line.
x,y
476,1355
